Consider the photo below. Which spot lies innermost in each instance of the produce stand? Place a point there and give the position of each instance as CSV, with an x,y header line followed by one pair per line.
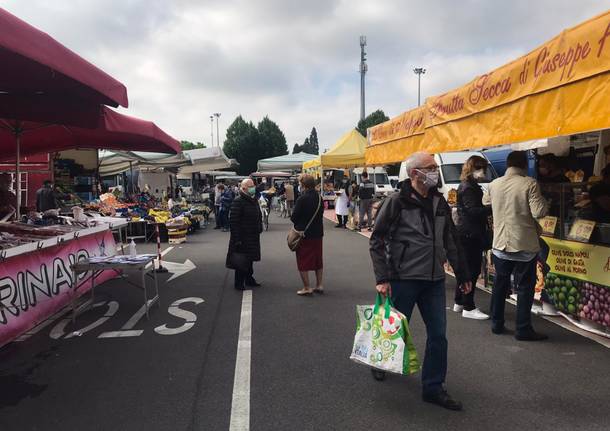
x,y
35,276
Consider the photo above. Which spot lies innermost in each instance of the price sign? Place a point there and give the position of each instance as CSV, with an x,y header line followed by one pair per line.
x,y
548,225
581,230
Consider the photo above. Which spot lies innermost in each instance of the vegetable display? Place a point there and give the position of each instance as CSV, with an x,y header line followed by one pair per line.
x,y
581,299
565,292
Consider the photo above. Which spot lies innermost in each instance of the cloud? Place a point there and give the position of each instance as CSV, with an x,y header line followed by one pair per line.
x,y
294,61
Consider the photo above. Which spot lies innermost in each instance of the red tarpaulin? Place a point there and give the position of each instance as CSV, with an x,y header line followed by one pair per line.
x,y
114,132
33,63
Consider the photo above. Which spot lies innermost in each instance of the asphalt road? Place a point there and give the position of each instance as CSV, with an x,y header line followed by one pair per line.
x,y
178,373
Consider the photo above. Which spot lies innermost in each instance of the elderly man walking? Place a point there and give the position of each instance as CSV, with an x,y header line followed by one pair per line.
x,y
516,203
246,226
413,234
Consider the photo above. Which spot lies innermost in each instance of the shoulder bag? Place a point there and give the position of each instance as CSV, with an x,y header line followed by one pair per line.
x,y
295,236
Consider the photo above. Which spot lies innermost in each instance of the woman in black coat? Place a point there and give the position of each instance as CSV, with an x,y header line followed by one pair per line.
x,y
472,230
245,222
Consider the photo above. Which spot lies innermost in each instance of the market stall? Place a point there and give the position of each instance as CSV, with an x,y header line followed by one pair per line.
x,y
561,91
289,162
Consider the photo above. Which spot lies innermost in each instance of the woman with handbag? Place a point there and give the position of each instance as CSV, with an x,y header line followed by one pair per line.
x,y
246,226
472,228
306,236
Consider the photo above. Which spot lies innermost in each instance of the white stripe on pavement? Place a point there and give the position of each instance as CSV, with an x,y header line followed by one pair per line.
x,y
240,406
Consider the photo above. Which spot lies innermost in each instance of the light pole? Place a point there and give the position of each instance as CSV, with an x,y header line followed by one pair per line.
x,y
217,115
363,69
419,71
212,129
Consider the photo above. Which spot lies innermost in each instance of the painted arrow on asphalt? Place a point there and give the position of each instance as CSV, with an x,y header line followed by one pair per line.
x,y
178,269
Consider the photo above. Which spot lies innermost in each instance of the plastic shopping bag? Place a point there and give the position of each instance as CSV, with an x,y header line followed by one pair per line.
x,y
383,340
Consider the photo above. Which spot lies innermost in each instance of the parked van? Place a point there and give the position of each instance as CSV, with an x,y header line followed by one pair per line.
x,y
378,176
185,181
450,168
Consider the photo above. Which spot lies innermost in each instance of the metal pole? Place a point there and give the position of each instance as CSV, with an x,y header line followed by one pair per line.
x,y
363,70
419,71
18,170
217,115
212,129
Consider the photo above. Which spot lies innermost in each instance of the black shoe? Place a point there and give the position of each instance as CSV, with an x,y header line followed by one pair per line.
x,y
240,288
531,336
253,283
378,374
217,227
443,399
498,330
338,225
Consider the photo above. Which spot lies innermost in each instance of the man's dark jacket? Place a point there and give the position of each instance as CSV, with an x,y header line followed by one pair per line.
x,y
411,243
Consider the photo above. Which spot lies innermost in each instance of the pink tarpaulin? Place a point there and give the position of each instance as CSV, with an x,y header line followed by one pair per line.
x,y
32,62
35,285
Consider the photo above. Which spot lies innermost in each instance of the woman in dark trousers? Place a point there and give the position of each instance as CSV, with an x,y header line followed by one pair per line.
x,y
472,230
308,207
246,225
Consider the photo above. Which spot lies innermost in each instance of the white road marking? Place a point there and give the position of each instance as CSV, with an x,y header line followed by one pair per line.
x,y
240,406
178,269
126,330
176,311
163,253
44,324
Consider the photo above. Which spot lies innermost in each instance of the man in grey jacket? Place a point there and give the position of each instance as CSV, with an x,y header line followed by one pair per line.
x,y
516,202
413,237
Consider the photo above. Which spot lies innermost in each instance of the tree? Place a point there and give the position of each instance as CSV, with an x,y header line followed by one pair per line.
x,y
306,147
313,142
272,139
371,120
296,149
188,145
242,144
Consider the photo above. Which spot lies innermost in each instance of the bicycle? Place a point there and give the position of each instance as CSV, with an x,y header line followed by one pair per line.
x,y
283,207
262,203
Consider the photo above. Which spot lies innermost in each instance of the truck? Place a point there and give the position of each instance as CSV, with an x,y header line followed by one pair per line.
x,y
378,176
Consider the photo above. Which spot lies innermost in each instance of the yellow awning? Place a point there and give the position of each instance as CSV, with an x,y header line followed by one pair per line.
x,y
401,135
558,89
347,152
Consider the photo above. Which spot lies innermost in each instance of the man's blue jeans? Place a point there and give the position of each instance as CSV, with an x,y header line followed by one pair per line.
x,y
430,299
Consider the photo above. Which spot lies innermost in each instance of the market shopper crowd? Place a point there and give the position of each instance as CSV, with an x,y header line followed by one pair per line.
x,y
415,232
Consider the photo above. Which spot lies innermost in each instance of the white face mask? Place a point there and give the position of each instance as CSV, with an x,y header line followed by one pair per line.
x,y
430,179
479,174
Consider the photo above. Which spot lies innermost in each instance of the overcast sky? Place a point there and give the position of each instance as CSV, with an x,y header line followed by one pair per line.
x,y
295,61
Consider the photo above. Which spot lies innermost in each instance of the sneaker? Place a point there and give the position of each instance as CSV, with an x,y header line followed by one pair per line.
x,y
458,308
443,399
475,314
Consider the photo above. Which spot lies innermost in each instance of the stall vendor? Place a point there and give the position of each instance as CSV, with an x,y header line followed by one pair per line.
x,y
46,198
8,199
550,178
600,197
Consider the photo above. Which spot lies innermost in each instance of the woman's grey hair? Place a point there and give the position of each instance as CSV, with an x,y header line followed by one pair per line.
x,y
415,160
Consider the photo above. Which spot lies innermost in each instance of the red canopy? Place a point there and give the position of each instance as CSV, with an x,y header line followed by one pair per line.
x,y
114,132
33,63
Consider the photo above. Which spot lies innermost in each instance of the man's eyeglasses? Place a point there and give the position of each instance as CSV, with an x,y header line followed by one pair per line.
x,y
427,169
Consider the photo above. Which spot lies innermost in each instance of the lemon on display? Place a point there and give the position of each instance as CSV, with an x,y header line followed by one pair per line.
x,y
571,299
561,296
571,308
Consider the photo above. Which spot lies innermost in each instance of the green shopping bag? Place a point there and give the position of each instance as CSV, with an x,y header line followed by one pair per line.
x,y
383,340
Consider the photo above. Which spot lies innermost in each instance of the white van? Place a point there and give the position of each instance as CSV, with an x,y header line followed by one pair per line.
x,y
450,165
185,181
378,176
